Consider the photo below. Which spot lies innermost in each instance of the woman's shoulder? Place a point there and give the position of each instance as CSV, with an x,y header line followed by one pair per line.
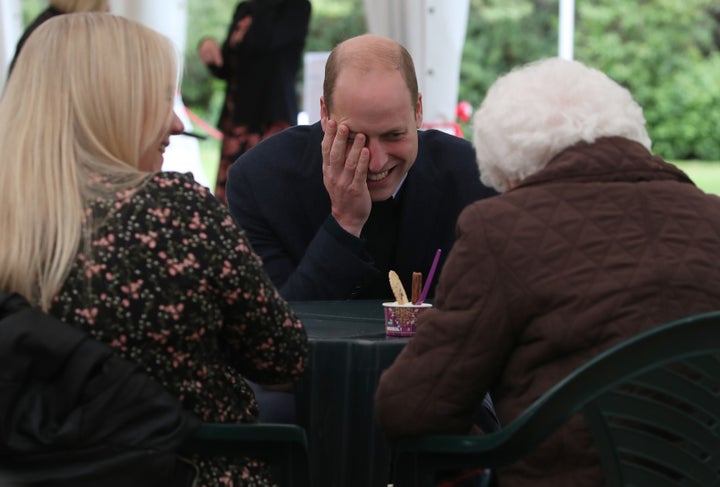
x,y
168,203
170,186
172,179
170,193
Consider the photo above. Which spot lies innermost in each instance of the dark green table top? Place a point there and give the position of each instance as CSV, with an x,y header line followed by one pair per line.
x,y
341,319
348,352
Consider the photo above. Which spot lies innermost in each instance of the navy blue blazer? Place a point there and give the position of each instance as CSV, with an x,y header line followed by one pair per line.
x,y
276,193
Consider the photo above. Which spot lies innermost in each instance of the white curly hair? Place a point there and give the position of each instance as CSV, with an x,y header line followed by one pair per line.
x,y
534,112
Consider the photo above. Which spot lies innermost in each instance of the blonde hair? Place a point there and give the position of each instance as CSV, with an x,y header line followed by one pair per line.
x,y
89,94
72,6
536,111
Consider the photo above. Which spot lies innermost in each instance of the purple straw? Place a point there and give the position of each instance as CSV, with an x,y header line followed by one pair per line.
x,y
429,278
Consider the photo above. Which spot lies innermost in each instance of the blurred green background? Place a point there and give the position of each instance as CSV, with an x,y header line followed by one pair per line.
x,y
705,174
665,51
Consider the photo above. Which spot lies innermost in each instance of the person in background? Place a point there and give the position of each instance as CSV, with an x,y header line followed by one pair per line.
x,y
147,262
58,7
593,240
332,207
259,61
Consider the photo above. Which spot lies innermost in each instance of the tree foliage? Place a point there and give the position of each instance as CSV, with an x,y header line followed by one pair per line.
x,y
664,51
331,22
502,34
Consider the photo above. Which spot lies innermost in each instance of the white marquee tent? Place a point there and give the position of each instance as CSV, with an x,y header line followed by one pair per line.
x,y
432,30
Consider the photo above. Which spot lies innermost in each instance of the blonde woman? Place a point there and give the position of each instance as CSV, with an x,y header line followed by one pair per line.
x,y
148,262
58,7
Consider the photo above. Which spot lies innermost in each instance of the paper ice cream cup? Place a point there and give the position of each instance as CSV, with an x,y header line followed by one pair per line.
x,y
401,319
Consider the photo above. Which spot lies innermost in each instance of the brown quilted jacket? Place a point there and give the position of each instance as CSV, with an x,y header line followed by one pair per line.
x,y
603,243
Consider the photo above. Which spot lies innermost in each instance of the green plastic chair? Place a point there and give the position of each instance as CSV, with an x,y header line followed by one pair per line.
x,y
668,435
282,446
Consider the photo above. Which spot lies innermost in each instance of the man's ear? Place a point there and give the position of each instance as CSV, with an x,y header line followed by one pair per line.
x,y
323,113
419,111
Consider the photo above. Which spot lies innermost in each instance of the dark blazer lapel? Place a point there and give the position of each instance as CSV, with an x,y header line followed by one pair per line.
x,y
422,205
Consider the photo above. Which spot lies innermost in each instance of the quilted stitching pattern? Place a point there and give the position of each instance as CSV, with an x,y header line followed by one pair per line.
x,y
606,241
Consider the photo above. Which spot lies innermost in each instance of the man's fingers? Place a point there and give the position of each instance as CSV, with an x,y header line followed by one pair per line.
x,y
351,159
344,167
362,168
339,146
327,142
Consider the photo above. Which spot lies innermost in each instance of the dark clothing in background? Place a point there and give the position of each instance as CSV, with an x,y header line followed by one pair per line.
x,y
260,74
46,14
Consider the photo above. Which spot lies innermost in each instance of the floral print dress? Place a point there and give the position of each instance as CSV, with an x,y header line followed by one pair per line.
x,y
172,283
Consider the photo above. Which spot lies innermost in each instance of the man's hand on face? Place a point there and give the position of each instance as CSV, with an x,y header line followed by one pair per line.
x,y
345,166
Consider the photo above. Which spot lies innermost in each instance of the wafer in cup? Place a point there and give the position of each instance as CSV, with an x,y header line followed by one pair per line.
x,y
397,288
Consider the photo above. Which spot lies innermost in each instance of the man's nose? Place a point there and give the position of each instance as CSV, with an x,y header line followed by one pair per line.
x,y
378,155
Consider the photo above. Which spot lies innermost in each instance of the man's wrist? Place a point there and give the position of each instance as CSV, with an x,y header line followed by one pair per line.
x,y
354,228
345,238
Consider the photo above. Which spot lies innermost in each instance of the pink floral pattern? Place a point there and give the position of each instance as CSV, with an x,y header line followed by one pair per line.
x,y
171,282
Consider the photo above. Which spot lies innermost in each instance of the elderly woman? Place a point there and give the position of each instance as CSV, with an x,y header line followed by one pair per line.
x,y
147,262
592,240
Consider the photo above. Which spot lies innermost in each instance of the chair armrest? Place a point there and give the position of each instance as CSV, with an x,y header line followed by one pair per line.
x,y
230,439
282,446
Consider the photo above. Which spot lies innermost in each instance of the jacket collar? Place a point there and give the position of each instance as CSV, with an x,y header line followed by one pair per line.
x,y
608,159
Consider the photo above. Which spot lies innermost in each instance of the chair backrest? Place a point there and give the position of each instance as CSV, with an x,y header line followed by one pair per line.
x,y
652,403
282,446
74,413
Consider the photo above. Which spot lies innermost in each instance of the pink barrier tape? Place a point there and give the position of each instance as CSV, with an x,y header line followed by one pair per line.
x,y
457,130
206,127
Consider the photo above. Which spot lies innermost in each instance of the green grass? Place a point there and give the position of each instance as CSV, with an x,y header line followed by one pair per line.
x,y
210,158
705,174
